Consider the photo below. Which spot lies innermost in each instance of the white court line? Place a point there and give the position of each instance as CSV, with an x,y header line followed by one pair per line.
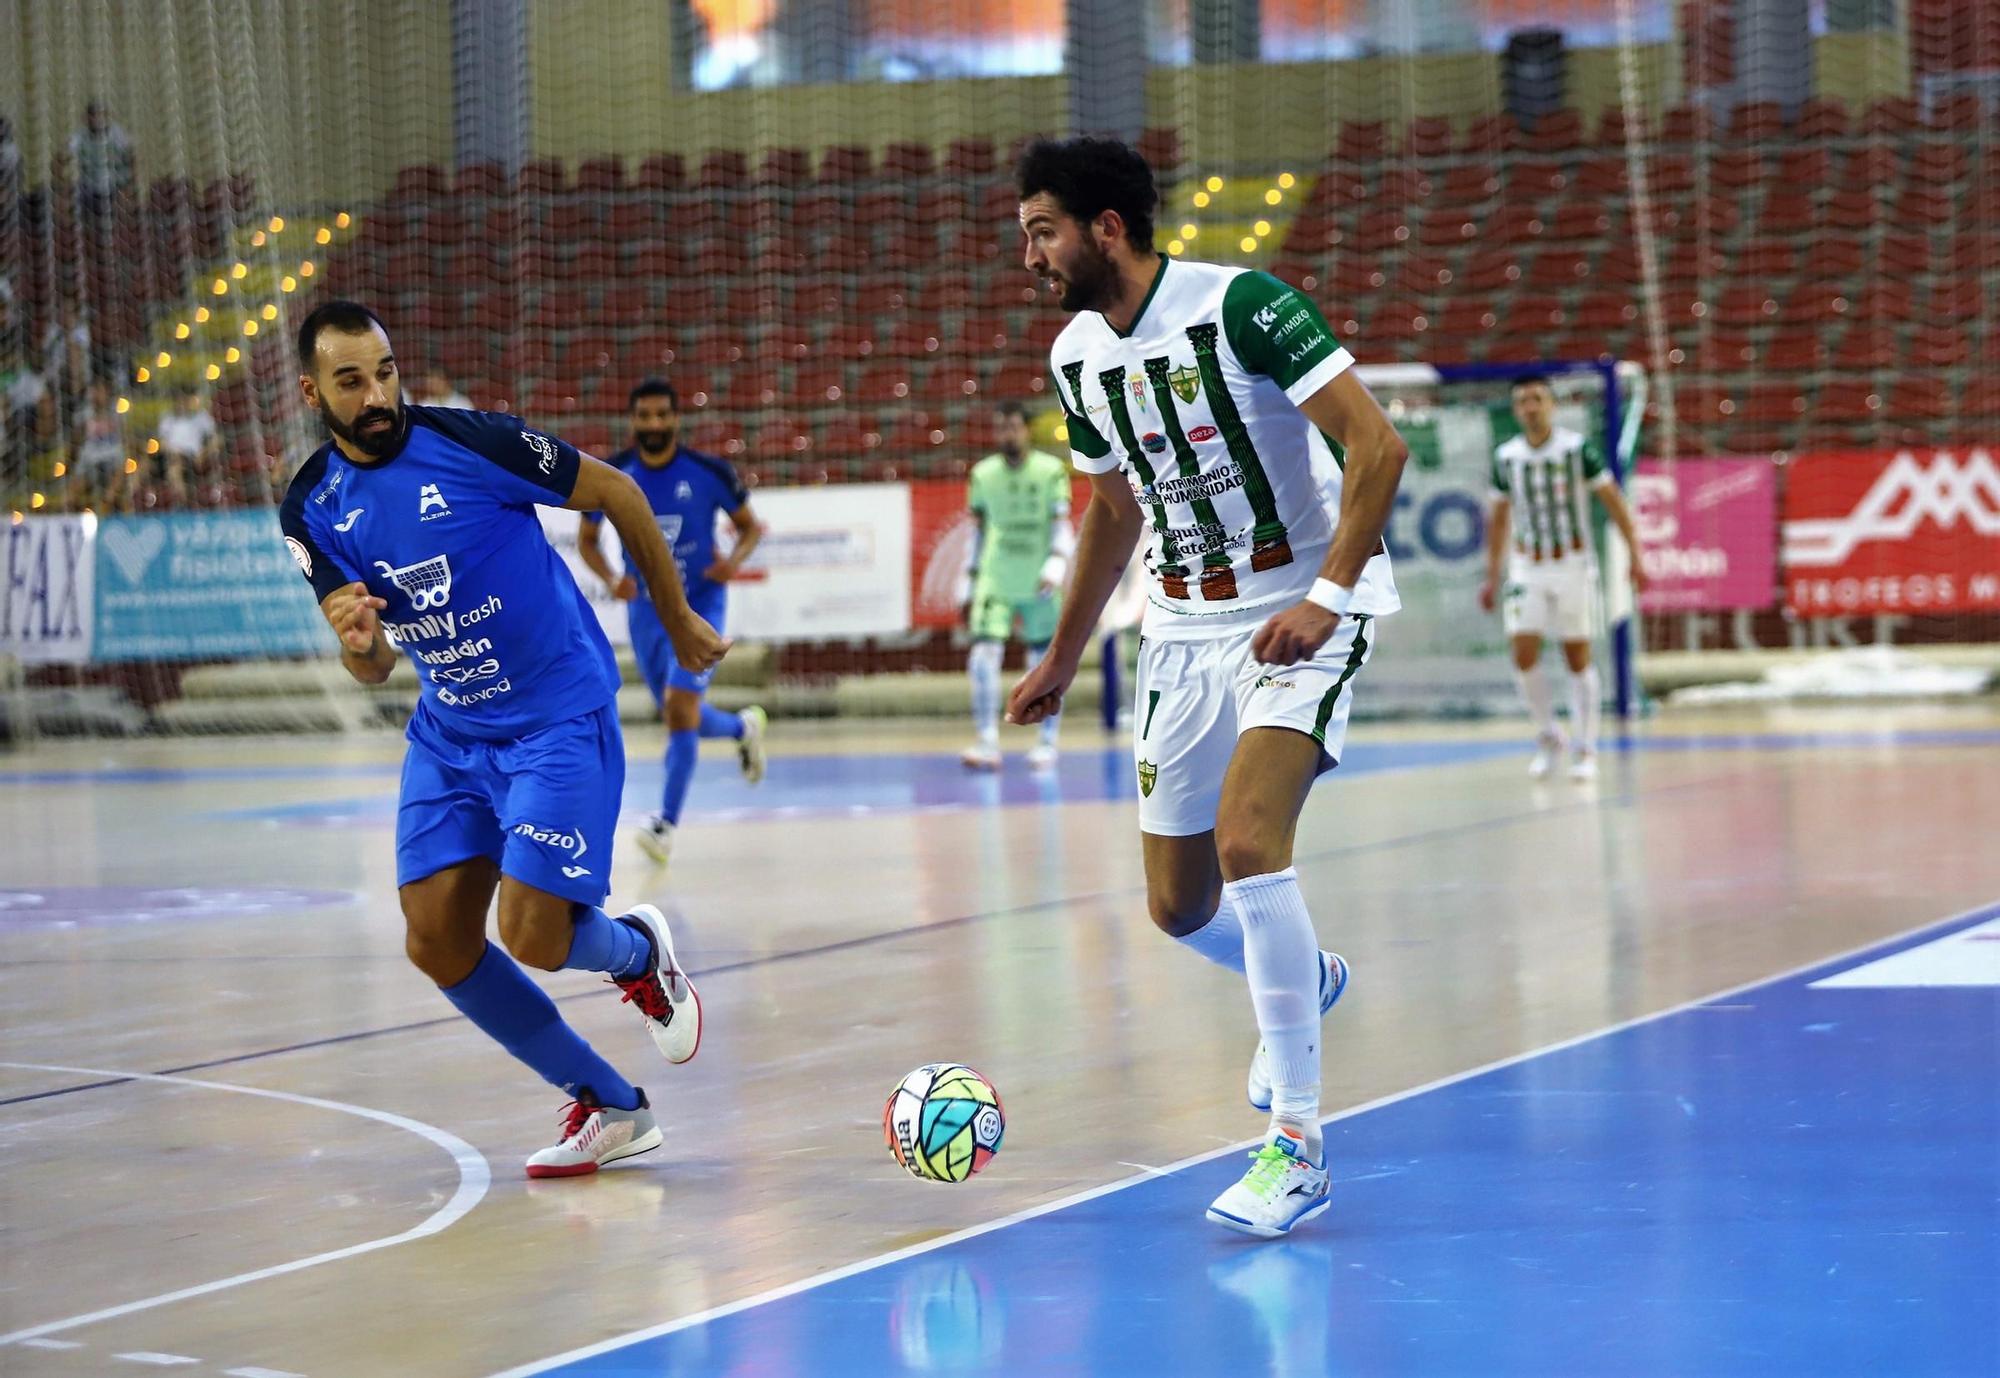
x,y
791,1289
474,1176
158,1360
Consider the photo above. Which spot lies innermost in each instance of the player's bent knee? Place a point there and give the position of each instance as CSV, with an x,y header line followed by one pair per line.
x,y
445,958
1177,914
1250,850
683,711
536,927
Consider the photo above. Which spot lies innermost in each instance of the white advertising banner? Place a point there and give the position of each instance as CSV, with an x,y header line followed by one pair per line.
x,y
46,589
835,561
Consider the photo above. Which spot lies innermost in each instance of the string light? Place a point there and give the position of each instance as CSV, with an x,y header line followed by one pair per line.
x,y
1248,245
232,355
1213,184
288,283
221,287
181,331
1201,200
306,269
1287,181
131,465
249,327
1176,248
1261,228
124,405
277,224
1273,197
144,375
325,236
239,271
201,315
212,372
343,220
153,447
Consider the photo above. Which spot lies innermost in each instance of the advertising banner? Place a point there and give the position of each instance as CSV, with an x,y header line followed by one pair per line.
x,y
201,586
45,600
1708,532
1903,531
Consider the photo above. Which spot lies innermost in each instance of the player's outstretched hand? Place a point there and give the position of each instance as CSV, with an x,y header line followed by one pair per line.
x,y
1638,576
697,646
1293,635
1486,595
1039,695
353,612
626,589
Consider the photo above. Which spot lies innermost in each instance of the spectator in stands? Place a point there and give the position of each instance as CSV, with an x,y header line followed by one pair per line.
x,y
188,441
66,361
98,465
27,412
10,162
439,392
100,155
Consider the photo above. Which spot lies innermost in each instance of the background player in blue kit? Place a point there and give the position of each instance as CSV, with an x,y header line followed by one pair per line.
x,y
687,490
420,523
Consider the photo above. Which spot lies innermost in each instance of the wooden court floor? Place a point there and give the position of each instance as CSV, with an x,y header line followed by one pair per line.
x,y
241,1135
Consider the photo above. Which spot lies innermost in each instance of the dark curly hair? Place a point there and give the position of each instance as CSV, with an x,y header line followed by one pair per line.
x,y
1088,176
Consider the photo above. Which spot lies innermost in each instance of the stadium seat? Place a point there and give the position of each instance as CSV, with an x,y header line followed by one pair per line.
x,y
723,169
1464,185
1557,132
1787,213
1833,256
1685,124
1735,169
1604,311
1161,148
784,167
661,172
1793,353
542,177
1446,229
1940,166
1600,179
1958,113
1822,118
1558,270
1892,115
1490,270
1851,210
1576,221
601,176
1939,346
1866,347
908,161
485,180
842,164
1367,141
971,159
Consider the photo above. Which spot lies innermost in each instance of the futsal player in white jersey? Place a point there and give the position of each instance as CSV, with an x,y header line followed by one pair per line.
x,y
1540,522
1214,412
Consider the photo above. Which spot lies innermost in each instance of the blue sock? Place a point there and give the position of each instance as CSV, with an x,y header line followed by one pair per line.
x,y
518,1015
602,943
682,747
716,723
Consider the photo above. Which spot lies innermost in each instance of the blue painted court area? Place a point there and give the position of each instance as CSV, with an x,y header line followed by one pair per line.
x,y
1779,1180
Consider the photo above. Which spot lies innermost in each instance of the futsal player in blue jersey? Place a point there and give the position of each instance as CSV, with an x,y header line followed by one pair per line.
x,y
689,491
416,527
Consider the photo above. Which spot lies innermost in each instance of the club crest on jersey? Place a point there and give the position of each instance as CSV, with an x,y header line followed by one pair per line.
x,y
1141,392
683,491
300,556
1149,775
427,583
431,504
1186,383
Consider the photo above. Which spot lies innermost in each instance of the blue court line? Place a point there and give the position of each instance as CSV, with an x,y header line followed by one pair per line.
x,y
1446,749
1768,1180
707,972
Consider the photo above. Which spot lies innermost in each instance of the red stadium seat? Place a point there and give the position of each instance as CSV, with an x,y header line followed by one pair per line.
x,y
784,167
1598,178
1464,185
723,169
421,182
1833,256
483,180
1939,346
1959,113
661,172
1558,270
1367,142
1446,229
1576,221
1558,132
1487,134
542,177
1533,182
1938,166
1605,311
1851,210
1924,399
1161,148
1685,124
1512,225
1787,213
1793,353
1744,306
1763,259
601,176
1618,267
908,161
1822,118
1958,299
1759,120
1921,207
1490,270
1670,174
1734,169
1892,115
843,163
1535,314
970,159
1612,129
1421,275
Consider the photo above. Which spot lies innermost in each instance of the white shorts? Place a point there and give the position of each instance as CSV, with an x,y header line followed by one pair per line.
x,y
1558,603
1194,698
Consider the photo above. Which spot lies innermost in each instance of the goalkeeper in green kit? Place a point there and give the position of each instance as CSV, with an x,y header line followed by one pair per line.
x,y
1020,556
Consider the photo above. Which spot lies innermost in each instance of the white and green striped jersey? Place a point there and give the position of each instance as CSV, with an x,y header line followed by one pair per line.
x,y
1547,487
1198,404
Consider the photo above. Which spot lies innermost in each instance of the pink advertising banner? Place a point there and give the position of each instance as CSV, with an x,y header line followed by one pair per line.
x,y
1708,533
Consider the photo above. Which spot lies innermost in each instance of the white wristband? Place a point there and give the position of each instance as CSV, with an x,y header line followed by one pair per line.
x,y
1335,598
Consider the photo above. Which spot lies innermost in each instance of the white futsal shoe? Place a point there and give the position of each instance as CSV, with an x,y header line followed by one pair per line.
x,y
750,746
980,756
1283,1188
1332,981
655,837
593,1135
1548,750
663,994
1043,756
1583,767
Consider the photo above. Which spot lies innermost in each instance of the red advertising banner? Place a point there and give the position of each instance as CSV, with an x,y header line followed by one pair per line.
x,y
1708,533
941,532
1912,530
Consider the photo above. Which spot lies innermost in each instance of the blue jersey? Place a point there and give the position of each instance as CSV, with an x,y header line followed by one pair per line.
x,y
445,531
685,493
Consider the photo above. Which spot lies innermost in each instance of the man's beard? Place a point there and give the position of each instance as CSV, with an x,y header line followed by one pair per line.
x,y
375,444
655,442
1090,284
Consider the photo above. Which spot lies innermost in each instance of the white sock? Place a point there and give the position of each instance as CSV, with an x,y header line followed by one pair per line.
x,y
1536,694
1583,704
1050,723
1220,939
984,665
1281,958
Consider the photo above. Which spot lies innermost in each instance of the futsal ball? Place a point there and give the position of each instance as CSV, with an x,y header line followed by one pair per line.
x,y
944,1122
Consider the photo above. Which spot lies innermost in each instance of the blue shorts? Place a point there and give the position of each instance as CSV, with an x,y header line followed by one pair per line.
x,y
655,653
545,806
